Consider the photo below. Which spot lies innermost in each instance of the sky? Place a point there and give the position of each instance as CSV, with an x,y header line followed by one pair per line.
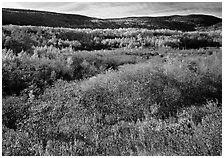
x,y
122,9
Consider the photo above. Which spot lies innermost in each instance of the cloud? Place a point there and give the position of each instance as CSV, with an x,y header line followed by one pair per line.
x,y
168,8
11,5
123,9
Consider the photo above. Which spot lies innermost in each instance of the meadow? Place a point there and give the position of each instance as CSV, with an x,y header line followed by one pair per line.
x,y
111,92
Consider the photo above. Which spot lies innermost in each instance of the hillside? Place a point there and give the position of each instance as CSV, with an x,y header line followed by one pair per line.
x,y
42,18
217,26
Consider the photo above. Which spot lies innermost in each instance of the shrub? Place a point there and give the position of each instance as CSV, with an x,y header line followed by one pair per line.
x,y
171,85
21,38
197,42
16,144
113,114
127,108
14,111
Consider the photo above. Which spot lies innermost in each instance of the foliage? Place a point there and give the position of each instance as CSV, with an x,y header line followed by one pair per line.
x,y
25,72
61,99
14,111
172,85
24,38
16,144
118,112
76,133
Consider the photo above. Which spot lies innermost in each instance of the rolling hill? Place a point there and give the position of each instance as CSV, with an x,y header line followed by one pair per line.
x,y
51,19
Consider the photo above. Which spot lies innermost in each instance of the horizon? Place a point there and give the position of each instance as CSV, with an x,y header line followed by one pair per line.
x,y
105,10
114,17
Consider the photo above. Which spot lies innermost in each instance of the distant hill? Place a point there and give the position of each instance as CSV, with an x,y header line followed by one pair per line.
x,y
214,27
43,18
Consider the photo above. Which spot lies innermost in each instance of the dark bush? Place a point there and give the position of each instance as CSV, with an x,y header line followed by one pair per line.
x,y
197,42
14,111
16,144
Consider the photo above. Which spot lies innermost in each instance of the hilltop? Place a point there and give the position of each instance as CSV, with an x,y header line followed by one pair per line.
x,y
51,19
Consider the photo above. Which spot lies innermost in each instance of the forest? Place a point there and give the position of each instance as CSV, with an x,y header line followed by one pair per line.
x,y
111,92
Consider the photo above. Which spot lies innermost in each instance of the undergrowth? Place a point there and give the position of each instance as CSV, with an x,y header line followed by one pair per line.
x,y
170,107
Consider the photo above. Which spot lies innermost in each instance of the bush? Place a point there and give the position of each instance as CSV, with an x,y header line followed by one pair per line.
x,y
14,111
78,134
24,38
57,101
170,85
197,42
47,64
16,144
104,115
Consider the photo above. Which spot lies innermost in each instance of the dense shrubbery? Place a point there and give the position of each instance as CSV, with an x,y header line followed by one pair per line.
x,y
61,127
25,72
171,85
141,109
14,111
58,100
23,38
194,42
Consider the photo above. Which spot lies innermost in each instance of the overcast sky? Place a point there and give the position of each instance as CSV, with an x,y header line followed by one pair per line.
x,y
122,9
